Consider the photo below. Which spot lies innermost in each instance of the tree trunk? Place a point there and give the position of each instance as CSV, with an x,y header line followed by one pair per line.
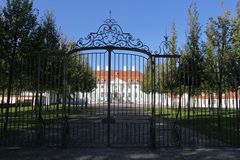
x,y
167,99
40,108
3,94
69,103
18,102
209,102
32,101
237,117
9,89
57,104
219,108
36,103
171,99
86,103
189,101
180,105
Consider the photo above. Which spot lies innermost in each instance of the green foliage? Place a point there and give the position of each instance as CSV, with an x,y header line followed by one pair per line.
x,y
32,54
220,37
191,55
165,71
236,49
146,84
19,22
81,78
210,60
2,53
168,70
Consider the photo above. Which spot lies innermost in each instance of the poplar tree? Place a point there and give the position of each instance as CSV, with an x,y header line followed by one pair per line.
x,y
2,63
192,58
210,64
236,49
19,23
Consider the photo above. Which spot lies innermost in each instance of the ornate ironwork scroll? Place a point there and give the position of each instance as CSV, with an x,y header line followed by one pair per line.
x,y
165,46
111,34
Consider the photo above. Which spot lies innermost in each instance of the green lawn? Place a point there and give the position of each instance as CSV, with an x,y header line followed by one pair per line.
x,y
206,121
24,118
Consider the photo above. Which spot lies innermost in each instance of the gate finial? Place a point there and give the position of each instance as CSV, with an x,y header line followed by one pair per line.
x,y
166,35
110,14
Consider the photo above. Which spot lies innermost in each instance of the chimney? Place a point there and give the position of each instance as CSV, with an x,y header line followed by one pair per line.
x,y
124,68
106,68
133,68
98,68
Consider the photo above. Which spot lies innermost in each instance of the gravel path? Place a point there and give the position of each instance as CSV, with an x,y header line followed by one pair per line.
x,y
130,129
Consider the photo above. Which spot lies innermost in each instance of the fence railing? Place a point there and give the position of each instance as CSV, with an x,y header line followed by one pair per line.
x,y
36,106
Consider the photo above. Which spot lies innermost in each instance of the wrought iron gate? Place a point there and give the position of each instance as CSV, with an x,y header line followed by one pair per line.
x,y
116,111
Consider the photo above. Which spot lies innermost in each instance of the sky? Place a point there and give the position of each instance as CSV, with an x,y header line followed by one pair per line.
x,y
148,20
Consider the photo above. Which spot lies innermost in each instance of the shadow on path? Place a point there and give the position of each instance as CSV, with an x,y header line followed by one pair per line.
x,y
120,154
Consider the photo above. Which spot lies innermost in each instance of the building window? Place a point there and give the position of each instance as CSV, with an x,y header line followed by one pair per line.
x,y
102,94
214,102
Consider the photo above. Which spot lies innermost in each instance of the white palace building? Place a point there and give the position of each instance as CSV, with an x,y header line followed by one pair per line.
x,y
125,86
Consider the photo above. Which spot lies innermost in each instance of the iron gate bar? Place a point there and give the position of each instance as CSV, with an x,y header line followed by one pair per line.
x,y
110,47
166,56
153,121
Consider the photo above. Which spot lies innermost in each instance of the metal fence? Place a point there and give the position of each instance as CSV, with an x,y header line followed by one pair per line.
x,y
35,111
116,93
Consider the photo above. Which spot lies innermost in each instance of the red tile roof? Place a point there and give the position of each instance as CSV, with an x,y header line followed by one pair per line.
x,y
126,76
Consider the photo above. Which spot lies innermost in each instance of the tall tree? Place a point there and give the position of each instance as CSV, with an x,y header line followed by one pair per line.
x,y
172,62
81,78
236,65
236,48
18,23
3,79
192,59
166,70
221,38
210,64
48,55
146,84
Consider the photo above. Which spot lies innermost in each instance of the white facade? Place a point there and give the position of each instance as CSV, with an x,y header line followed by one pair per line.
x,y
121,92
